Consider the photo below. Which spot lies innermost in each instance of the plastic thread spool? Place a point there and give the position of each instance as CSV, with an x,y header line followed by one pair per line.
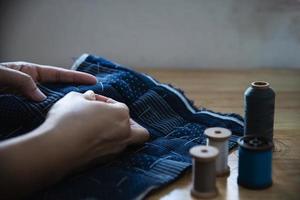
x,y
218,137
204,171
255,162
259,103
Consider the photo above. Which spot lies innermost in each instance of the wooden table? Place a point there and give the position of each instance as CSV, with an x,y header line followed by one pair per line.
x,y
222,90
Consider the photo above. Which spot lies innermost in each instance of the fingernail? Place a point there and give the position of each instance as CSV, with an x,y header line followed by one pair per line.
x,y
109,100
38,95
89,95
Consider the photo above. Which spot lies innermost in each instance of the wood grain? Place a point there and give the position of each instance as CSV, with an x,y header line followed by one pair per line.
x,y
222,91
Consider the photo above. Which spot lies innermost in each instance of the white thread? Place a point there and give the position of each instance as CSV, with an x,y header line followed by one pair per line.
x,y
144,112
218,137
122,180
191,141
159,160
222,159
102,87
190,108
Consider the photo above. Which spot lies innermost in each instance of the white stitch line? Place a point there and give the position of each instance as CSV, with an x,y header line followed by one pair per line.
x,y
222,117
170,133
144,112
175,120
184,137
176,153
140,149
102,87
160,105
84,56
188,106
160,115
122,180
161,159
191,141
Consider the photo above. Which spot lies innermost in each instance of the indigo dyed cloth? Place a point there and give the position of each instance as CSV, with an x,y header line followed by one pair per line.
x,y
174,123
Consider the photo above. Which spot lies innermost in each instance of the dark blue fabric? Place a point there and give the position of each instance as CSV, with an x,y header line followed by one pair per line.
x,y
175,125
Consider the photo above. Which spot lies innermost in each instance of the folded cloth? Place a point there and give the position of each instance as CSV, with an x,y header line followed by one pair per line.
x,y
174,123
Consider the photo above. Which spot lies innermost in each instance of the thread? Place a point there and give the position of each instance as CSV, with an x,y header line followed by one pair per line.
x,y
218,137
259,103
204,171
255,162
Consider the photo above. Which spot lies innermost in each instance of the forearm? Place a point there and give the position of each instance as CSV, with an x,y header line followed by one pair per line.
x,y
32,161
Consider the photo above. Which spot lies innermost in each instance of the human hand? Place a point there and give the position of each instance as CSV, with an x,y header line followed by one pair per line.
x,y
22,77
89,126
79,129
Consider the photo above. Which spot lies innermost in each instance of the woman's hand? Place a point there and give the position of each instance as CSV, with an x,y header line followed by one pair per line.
x,y
22,77
100,126
79,129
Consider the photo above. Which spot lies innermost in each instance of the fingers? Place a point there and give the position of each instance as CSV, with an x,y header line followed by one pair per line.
x,y
89,95
55,74
101,98
105,99
139,134
22,83
22,76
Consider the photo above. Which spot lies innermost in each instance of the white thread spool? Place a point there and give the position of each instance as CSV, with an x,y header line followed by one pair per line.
x,y
204,171
218,137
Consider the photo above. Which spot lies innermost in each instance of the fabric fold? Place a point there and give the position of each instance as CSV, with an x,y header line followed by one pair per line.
x,y
174,123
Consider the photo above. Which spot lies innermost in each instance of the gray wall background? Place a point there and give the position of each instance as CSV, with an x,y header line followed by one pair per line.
x,y
153,33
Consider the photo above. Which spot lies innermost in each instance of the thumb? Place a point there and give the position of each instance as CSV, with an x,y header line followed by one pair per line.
x,y
21,82
138,134
89,95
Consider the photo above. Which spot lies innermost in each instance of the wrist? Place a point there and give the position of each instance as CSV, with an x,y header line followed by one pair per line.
x,y
68,149
58,147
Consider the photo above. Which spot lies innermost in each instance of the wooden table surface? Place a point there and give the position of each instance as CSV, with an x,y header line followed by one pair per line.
x,y
222,90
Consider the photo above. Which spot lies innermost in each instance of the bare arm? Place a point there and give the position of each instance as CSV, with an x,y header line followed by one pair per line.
x,y
32,161
79,129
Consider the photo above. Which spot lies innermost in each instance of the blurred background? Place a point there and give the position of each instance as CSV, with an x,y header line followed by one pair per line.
x,y
153,33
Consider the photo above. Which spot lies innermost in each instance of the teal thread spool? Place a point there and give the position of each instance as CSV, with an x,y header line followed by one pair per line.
x,y
255,162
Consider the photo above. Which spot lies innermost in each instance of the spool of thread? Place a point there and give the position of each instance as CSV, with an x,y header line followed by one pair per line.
x,y
204,171
255,162
259,103
218,137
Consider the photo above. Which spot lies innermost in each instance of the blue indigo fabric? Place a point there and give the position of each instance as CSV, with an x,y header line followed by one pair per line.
x,y
174,123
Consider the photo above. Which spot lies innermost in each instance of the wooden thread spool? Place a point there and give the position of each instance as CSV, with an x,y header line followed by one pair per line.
x,y
218,137
204,171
